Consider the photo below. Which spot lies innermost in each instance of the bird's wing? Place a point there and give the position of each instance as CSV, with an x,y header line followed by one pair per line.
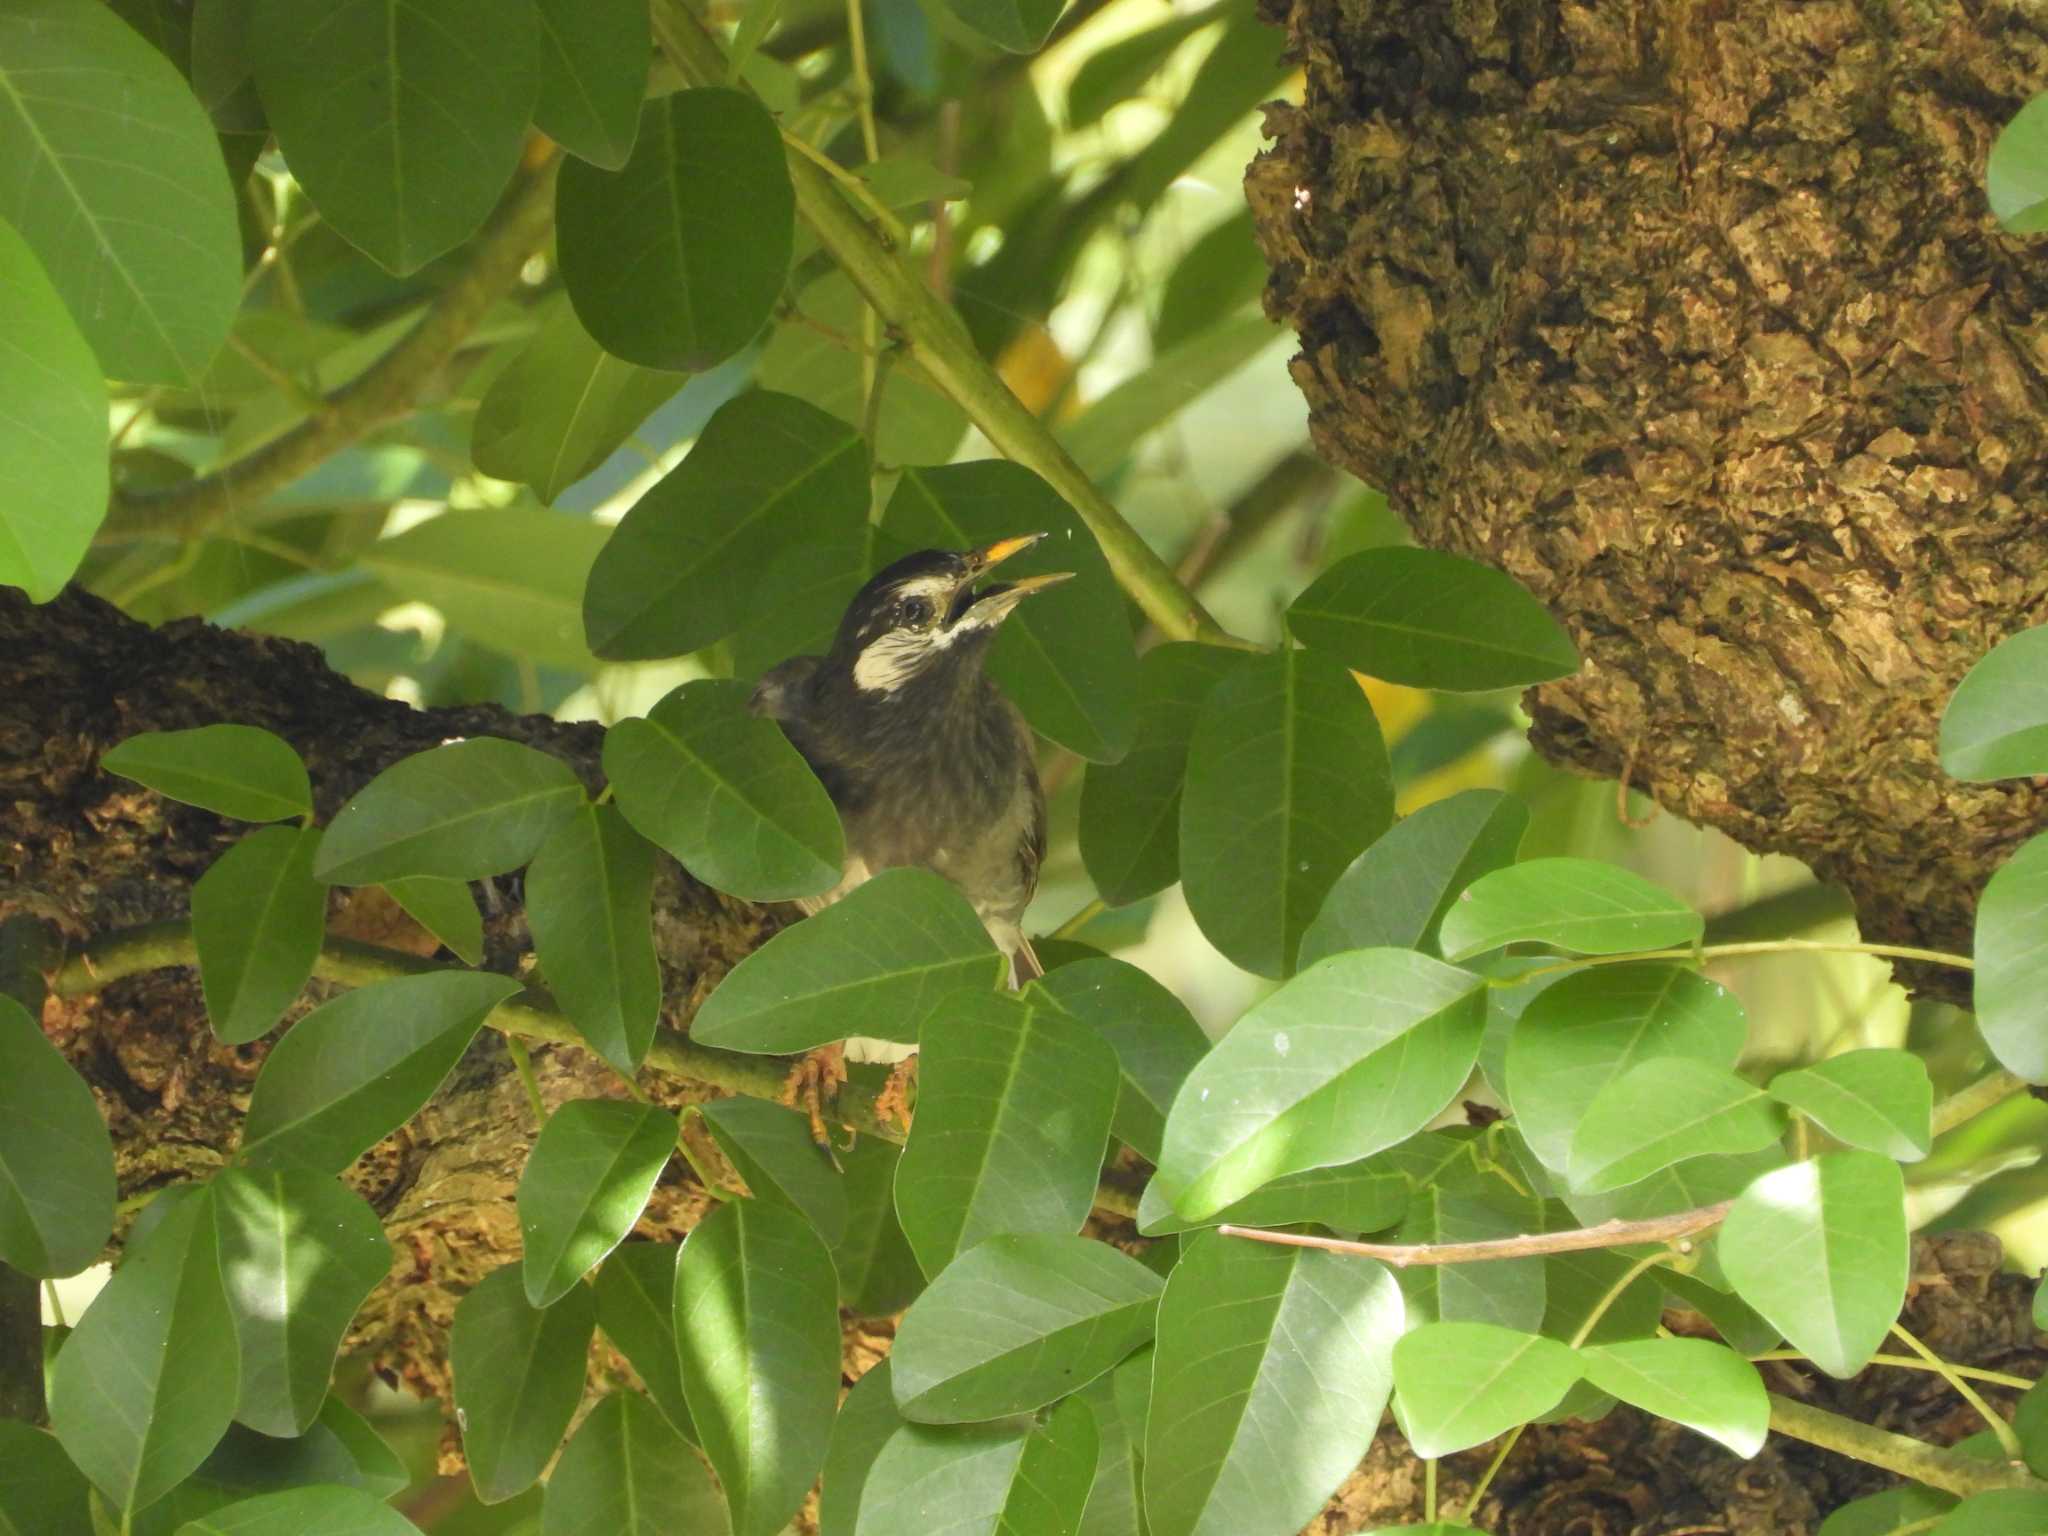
x,y
777,695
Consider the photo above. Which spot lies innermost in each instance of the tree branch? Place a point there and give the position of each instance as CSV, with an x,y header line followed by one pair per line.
x,y
1609,1234
529,1016
1951,1471
383,390
942,347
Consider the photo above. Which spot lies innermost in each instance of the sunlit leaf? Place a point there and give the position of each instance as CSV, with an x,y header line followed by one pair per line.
x,y
585,1184
1882,1101
1458,1385
1694,1382
1661,1111
1820,1248
92,176
53,422
1355,1054
2016,172
234,770
1267,1384
1010,1475
1580,905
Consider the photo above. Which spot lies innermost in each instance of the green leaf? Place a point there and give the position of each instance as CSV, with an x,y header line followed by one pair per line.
x,y
518,1378
1119,71
1103,435
464,811
1013,1475
56,1159
1112,1508
1395,894
1288,782
41,1492
1016,1322
1021,26
258,917
626,1472
564,404
1065,655
2016,172
447,910
1895,1512
1432,620
866,1420
510,577
589,894
772,1149
145,1385
1352,1197
1661,1111
2011,980
1599,1285
586,1183
676,259
91,178
53,423
593,74
1881,1101
377,1466
299,1253
363,95
871,964
1694,1382
919,423
1130,810
1156,1040
757,1322
1223,271
878,1273
907,181
1268,1382
1586,1029
319,1511
636,1308
1458,1385
232,770
766,472
725,792
1013,1112
1353,1055
1820,1248
1581,905
1736,1322
1510,1293
1684,1186
355,1069
2000,1512
1996,723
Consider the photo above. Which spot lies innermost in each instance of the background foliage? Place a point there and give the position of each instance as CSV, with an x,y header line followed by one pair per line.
x,y
581,362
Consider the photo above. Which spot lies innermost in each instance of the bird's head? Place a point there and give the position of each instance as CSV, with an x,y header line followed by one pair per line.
x,y
922,618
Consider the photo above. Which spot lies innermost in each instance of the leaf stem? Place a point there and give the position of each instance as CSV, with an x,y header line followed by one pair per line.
x,y
1908,1363
942,347
522,1063
2008,1441
1701,953
1951,1471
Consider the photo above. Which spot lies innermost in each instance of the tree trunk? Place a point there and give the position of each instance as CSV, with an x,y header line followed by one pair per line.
x,y
1691,315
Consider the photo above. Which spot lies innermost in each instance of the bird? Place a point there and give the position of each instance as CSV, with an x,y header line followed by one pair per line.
x,y
927,761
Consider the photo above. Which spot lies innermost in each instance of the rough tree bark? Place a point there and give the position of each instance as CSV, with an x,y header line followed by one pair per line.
x,y
1690,314
86,855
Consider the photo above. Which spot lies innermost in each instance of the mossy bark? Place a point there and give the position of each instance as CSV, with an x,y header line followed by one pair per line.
x,y
1692,316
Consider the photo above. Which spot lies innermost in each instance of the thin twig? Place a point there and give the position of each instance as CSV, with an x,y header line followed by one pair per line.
x,y
2008,1442
1609,1234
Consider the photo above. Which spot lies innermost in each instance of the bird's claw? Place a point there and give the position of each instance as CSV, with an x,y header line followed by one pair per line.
x,y
899,1095
813,1086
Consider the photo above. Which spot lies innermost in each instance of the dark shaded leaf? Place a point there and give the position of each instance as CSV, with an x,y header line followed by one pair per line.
x,y
626,1472
636,1308
233,770
1156,1040
593,74
518,1378
588,898
258,917
56,1159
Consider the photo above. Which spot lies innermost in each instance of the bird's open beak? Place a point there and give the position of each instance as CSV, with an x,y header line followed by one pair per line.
x,y
994,604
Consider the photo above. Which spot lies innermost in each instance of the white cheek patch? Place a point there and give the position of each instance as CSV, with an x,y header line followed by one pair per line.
x,y
887,663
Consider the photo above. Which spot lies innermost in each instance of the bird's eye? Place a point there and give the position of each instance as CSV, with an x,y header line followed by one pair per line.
x,y
916,610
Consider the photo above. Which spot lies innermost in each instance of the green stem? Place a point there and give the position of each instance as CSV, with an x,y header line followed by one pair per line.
x,y
1951,1471
1701,953
1991,1089
1908,1363
2008,1442
529,1015
941,346
1080,919
522,1063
